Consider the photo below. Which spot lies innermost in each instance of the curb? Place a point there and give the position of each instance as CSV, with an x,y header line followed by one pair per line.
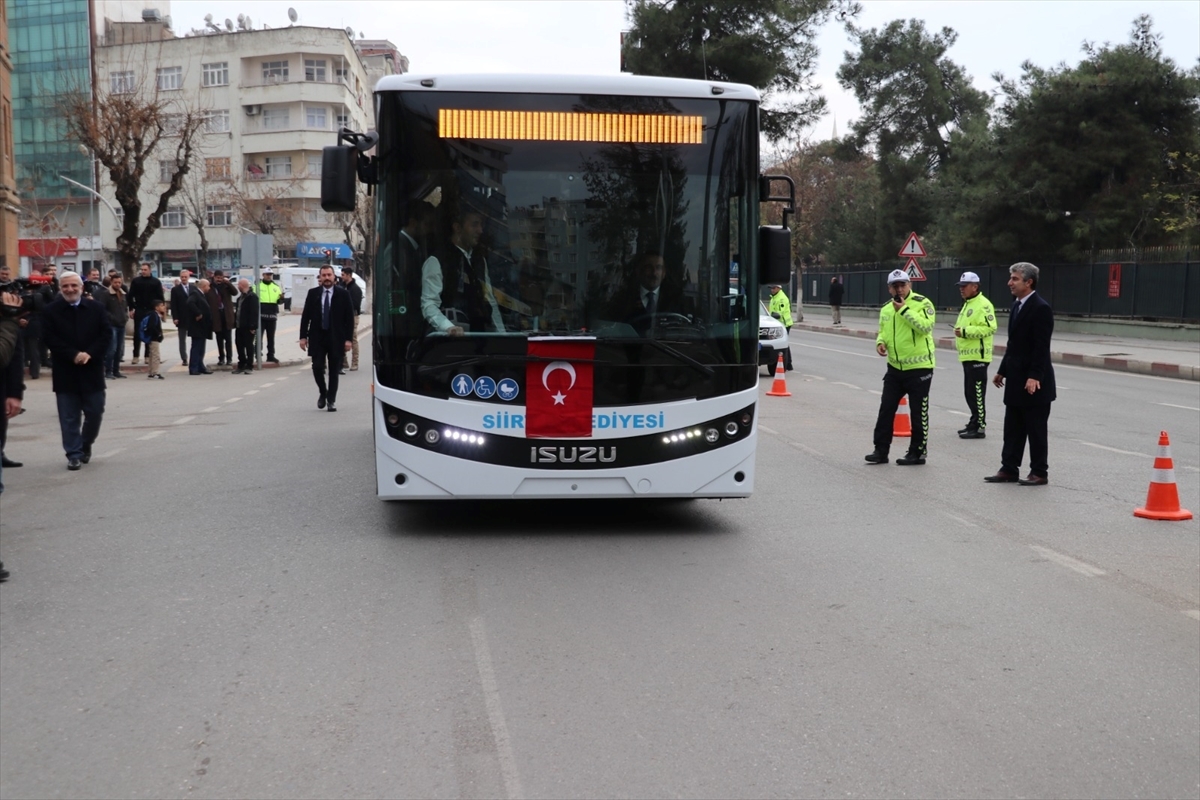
x,y
1156,368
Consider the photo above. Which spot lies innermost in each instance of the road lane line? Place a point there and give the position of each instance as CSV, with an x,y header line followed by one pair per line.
x,y
183,420
814,377
848,385
872,354
875,392
1194,613
1068,562
233,400
495,712
150,435
210,409
1172,405
958,413
265,385
252,391
112,452
960,520
1110,449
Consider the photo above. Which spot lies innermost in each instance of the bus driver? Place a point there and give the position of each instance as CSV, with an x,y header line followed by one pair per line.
x,y
456,277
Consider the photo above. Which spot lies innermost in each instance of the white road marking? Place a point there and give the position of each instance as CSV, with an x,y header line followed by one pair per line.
x,y
814,377
1068,562
1110,449
875,392
771,431
183,420
807,449
495,712
112,452
265,385
281,378
960,520
233,400
252,391
872,354
1194,613
958,413
843,383
150,435
210,409
1172,405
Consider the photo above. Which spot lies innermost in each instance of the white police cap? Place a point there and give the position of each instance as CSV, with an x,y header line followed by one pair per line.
x,y
968,277
898,276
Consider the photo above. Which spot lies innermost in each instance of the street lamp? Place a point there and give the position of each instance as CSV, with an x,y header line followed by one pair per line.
x,y
91,205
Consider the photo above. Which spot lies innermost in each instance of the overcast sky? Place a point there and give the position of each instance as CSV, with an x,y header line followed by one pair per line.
x,y
583,36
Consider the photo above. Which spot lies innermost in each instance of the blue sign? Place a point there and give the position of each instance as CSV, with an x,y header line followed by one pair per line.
x,y
507,389
485,387
323,250
462,385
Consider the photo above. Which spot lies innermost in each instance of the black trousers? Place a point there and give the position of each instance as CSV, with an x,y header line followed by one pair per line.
x,y
324,355
32,347
975,390
224,345
268,327
183,345
245,347
896,383
1021,423
138,316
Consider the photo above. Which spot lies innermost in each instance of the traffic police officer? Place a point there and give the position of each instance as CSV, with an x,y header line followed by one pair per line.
x,y
906,339
973,333
270,295
781,309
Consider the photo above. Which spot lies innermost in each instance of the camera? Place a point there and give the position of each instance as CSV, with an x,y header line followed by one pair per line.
x,y
29,290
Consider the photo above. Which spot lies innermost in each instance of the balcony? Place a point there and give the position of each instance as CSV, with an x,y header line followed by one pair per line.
x,y
257,91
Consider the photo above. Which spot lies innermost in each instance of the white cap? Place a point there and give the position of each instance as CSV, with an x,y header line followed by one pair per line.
x,y
968,277
898,276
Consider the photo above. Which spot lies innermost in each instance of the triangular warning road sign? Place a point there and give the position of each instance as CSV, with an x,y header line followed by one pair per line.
x,y
912,247
914,270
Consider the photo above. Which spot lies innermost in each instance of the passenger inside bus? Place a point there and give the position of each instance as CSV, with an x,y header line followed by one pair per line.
x,y
456,290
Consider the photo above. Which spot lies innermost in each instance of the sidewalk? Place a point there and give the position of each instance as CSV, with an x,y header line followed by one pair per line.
x,y
1122,353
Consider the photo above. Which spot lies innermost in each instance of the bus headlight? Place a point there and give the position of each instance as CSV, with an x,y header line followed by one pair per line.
x,y
731,429
432,436
712,435
410,429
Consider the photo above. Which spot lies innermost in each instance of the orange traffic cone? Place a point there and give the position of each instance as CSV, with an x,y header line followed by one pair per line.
x,y
903,425
779,387
1162,501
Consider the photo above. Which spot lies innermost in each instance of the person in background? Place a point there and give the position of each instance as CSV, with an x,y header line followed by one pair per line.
x,y
179,315
144,291
12,385
835,299
151,334
115,304
974,332
220,300
199,327
245,318
780,307
356,300
270,295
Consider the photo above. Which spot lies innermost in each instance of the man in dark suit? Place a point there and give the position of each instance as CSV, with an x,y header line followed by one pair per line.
x,y
179,315
326,333
646,296
77,331
199,326
1030,380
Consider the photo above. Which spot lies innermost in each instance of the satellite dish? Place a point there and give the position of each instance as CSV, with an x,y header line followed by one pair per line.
x,y
362,35
228,24
208,18
249,23
350,31
241,18
292,15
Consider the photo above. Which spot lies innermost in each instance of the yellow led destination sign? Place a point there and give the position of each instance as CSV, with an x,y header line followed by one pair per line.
x,y
569,126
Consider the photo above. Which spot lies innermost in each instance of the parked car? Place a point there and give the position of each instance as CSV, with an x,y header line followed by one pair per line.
x,y
288,272
772,339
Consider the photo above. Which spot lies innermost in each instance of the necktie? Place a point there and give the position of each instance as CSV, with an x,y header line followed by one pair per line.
x,y
651,302
325,312
1015,310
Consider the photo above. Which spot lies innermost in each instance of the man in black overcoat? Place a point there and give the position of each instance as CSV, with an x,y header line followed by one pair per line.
x,y
326,333
199,326
1027,376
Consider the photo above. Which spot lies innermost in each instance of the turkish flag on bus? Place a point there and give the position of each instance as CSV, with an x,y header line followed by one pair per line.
x,y
558,387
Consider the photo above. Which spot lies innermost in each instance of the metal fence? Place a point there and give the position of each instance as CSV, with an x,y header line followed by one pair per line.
x,y
1160,292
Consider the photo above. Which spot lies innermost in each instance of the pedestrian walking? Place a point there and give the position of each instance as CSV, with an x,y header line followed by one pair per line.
x,y
835,299
906,339
246,321
325,331
974,332
144,291
77,331
1027,376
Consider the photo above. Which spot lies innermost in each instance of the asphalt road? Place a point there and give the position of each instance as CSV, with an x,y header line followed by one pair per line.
x,y
217,606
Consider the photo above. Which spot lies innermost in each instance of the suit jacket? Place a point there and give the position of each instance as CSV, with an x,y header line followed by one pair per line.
x,y
198,306
247,311
12,361
179,298
627,306
69,330
341,320
1027,354
221,293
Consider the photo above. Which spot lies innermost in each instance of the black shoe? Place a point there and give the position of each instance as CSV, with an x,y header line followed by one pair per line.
x,y
910,459
332,407
8,463
1003,477
973,435
1034,480
3,573
321,401
207,372
877,458
159,376
119,375
220,362
236,372
272,360
74,464
967,429
87,455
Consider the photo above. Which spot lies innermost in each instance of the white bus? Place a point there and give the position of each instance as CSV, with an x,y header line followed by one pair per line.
x,y
522,222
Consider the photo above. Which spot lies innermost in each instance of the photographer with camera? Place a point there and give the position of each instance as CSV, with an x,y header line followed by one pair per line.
x,y
12,387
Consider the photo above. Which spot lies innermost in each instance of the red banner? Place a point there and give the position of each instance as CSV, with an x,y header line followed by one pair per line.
x,y
47,248
558,392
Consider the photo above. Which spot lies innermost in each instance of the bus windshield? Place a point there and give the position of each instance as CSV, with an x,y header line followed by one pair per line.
x,y
506,216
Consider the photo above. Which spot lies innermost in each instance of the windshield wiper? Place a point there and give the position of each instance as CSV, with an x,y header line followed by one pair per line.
x,y
686,359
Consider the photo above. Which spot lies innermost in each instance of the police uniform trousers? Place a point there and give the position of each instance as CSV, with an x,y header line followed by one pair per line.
x,y
896,384
975,390
268,332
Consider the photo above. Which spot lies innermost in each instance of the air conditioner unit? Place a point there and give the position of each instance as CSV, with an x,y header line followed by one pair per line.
x,y
253,111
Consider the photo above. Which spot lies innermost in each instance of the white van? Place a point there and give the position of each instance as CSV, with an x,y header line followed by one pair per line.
x,y
288,273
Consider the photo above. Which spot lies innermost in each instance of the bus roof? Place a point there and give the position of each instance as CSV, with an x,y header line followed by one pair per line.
x,y
619,84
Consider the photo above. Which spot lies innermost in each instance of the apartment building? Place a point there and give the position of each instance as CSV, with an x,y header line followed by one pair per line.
x,y
271,100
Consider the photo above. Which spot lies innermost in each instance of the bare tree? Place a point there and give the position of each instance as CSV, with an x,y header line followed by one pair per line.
x,y
358,231
195,208
268,206
125,131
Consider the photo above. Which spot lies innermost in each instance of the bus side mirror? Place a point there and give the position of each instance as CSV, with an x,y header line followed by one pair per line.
x,y
339,167
775,254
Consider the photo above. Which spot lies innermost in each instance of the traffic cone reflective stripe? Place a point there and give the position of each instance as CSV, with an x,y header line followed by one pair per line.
x,y
903,424
779,387
1162,499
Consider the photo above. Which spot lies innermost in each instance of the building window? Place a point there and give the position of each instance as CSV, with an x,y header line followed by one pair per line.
x,y
275,119
219,216
216,74
279,166
314,166
172,124
314,70
342,120
572,238
316,117
572,258
119,214
556,258
342,74
165,170
169,79
314,216
122,82
275,71
216,169
216,121
174,217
